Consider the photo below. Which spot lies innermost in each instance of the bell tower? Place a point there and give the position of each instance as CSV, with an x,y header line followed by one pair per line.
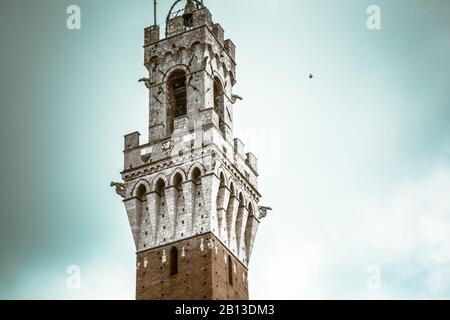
x,y
190,192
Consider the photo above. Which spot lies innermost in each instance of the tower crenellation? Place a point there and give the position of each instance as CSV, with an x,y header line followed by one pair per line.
x,y
191,189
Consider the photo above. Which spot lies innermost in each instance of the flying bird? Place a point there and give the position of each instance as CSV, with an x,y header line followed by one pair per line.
x,y
311,76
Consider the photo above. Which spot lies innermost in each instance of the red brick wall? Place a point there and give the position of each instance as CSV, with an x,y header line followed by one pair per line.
x,y
202,275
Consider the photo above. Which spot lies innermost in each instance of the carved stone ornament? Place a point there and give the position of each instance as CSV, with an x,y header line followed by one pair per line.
x,y
120,188
168,146
263,211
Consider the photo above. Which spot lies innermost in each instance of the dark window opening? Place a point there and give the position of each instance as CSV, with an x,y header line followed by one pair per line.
x,y
177,182
160,186
219,103
230,271
196,176
173,261
141,193
188,21
188,15
177,97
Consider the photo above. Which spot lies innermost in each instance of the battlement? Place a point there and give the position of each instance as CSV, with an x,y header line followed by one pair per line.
x,y
151,35
182,145
175,25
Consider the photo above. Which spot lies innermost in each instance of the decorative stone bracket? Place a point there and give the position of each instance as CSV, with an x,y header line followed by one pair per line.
x,y
263,211
120,188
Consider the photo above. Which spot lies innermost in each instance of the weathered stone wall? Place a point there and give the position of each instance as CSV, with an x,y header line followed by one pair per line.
x,y
192,208
203,55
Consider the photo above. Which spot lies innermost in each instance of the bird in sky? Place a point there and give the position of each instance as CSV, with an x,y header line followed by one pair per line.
x,y
311,76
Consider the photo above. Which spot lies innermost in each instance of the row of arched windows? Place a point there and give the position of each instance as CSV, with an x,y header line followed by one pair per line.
x,y
141,192
232,233
224,214
235,233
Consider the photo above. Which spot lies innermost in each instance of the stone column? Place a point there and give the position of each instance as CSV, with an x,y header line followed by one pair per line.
x,y
132,208
171,201
188,188
250,235
223,198
241,223
153,210
210,189
233,207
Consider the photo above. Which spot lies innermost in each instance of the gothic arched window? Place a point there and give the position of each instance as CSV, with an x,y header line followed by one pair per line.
x,y
173,261
177,182
141,193
219,105
230,271
177,97
160,186
197,176
240,221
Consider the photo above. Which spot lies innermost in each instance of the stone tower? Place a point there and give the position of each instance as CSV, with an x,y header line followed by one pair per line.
x,y
191,191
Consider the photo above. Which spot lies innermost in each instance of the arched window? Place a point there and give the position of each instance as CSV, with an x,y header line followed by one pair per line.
x,y
240,221
196,176
141,203
219,106
221,206
177,181
230,271
241,200
229,215
141,193
197,199
178,197
231,189
160,198
177,97
160,185
222,180
188,16
248,231
173,261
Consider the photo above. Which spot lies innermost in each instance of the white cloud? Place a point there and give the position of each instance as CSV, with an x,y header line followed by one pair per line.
x,y
409,235
291,273
98,282
106,283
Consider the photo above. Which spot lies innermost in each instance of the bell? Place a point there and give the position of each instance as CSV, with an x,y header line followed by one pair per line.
x,y
189,8
188,13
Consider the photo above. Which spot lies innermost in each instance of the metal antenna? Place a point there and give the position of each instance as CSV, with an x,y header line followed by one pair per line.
x,y
154,12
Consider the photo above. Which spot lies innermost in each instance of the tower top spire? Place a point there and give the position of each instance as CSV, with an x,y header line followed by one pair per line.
x,y
155,21
189,8
186,12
